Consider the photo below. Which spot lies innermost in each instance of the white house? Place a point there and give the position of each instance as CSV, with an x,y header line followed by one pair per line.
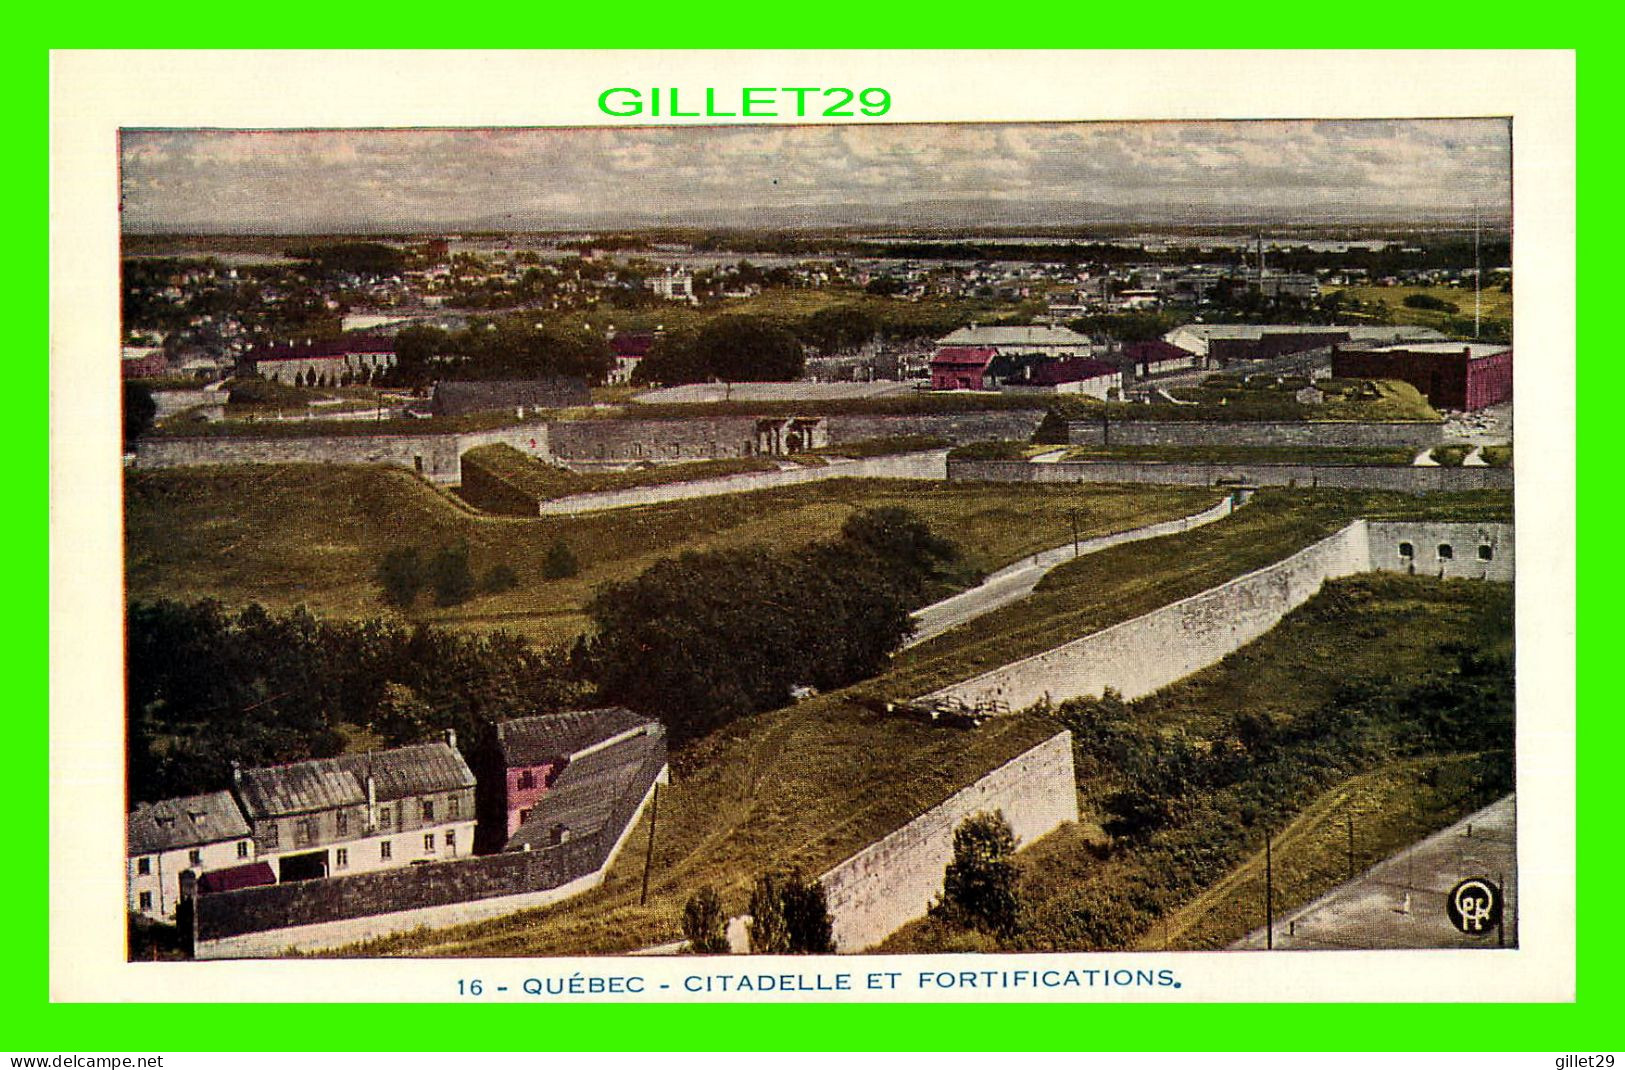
x,y
165,839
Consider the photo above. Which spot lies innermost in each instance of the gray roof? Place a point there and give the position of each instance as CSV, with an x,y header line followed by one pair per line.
x,y
325,783
174,824
590,790
1014,336
533,740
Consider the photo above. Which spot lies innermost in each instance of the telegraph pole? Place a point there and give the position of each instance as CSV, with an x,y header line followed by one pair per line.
x,y
1073,513
649,857
1351,845
1269,893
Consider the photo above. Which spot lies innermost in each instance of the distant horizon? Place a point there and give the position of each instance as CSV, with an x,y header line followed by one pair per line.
x,y
957,177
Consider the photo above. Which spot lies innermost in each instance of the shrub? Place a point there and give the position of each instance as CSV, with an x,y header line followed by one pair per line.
x,y
560,562
450,576
400,574
705,923
979,885
499,578
789,916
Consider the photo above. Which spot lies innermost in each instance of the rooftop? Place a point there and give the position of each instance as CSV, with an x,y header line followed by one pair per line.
x,y
325,783
175,824
1014,336
586,795
551,736
1475,350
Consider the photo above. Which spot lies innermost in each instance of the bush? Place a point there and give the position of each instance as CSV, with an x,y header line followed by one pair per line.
x,y
979,886
560,562
499,578
705,923
450,576
789,916
400,574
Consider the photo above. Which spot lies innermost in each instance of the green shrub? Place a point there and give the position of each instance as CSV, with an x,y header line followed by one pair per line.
x,y
705,923
400,574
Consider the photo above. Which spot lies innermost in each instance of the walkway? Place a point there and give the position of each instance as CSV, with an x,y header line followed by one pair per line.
x,y
1015,582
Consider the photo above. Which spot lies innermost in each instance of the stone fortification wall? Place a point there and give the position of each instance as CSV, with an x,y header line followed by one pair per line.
x,y
1343,435
957,427
1141,655
1408,479
932,464
1448,550
437,457
697,439
893,881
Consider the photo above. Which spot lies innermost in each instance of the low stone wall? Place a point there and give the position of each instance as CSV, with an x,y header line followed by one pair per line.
x,y
932,464
1346,435
1152,651
335,911
1408,479
893,881
957,427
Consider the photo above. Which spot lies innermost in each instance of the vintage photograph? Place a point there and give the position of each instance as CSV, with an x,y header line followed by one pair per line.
x,y
819,539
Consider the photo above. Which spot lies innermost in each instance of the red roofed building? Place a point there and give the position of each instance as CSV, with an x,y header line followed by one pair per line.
x,y
961,367
1157,357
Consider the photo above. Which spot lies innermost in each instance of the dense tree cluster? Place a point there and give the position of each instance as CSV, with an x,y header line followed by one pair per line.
x,y
979,886
701,639
728,348
363,259
507,350
208,686
790,916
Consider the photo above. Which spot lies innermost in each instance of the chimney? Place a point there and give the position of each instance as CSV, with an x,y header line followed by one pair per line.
x,y
451,738
372,802
561,835
237,773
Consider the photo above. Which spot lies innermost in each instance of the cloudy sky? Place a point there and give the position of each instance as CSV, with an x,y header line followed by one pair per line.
x,y
970,174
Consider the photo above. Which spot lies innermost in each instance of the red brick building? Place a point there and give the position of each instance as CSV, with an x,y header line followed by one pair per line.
x,y
961,367
1452,375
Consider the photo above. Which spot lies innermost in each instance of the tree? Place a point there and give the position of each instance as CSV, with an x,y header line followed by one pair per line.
x,y
705,923
789,916
560,562
400,715
140,410
730,348
499,578
450,575
400,574
979,888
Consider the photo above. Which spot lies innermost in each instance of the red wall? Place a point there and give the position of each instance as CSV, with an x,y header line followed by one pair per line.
x,y
524,798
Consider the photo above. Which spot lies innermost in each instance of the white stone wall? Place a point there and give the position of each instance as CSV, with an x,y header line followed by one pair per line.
x,y
364,852
1476,551
1141,655
893,881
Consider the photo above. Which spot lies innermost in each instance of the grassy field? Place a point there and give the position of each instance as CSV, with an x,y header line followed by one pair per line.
x,y
1373,626
1496,307
1113,585
312,534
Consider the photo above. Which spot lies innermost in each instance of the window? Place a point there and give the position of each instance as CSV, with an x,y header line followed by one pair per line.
x,y
242,848
451,837
527,779
271,835
341,858
1486,553
454,806
1407,550
383,817
428,810
143,866
1445,552
194,857
304,830
383,851
342,822
146,900
428,843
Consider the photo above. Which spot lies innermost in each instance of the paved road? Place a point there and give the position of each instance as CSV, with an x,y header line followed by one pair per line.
x,y
1015,582
1400,902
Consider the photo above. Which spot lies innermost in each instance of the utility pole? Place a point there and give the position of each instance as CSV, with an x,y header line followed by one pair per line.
x,y
1073,513
649,857
1351,845
1269,893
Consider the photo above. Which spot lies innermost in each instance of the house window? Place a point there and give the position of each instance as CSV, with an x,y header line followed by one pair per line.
x,y
271,835
194,857
383,851
1445,552
383,817
428,810
342,822
527,779
341,858
1407,550
451,837
146,900
454,806
143,866
242,848
428,843
304,831
1486,553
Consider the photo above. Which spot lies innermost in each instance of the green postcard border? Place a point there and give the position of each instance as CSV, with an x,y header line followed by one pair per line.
x,y
33,1023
